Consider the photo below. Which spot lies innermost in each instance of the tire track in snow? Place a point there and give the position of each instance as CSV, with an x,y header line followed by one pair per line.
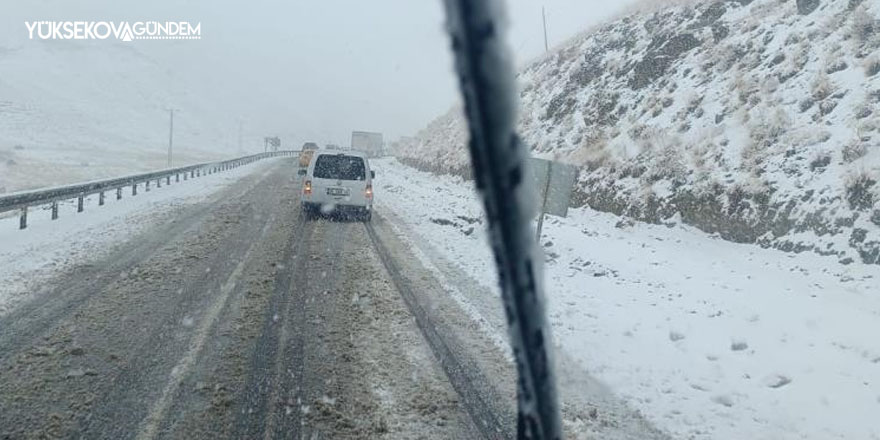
x,y
150,425
482,413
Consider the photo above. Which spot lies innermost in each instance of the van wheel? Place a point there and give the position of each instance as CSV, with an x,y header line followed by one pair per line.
x,y
367,216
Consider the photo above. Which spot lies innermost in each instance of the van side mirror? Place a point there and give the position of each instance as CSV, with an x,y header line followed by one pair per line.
x,y
302,172
372,174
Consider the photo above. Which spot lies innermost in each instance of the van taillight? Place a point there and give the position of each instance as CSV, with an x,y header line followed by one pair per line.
x,y
308,188
369,192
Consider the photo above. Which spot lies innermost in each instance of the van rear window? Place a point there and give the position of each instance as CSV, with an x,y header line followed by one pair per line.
x,y
340,167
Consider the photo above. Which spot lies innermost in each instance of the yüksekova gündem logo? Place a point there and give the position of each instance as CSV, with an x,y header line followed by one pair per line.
x,y
122,30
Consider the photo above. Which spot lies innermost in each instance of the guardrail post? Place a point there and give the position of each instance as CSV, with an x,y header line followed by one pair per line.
x,y
119,193
134,189
79,202
177,177
159,182
54,210
185,175
101,198
22,222
168,180
147,186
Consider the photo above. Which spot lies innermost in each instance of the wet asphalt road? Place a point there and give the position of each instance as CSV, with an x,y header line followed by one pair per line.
x,y
235,319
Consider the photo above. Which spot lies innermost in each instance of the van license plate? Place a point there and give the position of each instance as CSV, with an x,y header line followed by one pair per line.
x,y
337,191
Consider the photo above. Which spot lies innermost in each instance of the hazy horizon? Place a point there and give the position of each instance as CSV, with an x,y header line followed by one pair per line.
x,y
312,70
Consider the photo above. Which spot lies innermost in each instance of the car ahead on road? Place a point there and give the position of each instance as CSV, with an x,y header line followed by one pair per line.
x,y
305,155
338,183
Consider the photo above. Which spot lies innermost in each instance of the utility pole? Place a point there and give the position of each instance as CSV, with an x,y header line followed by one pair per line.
x,y
170,137
544,17
240,125
544,194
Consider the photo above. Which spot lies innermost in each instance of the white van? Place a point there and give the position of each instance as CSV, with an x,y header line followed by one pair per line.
x,y
338,183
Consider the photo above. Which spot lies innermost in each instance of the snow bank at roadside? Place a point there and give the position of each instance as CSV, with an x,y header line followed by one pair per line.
x,y
31,256
708,338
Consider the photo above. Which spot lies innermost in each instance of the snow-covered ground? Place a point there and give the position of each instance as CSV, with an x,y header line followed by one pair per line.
x,y
46,247
708,338
80,111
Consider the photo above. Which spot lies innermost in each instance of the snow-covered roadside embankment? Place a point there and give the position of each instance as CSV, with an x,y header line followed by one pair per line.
x,y
709,339
749,119
31,256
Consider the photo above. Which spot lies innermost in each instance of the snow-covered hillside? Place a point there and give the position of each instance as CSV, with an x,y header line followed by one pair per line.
x,y
758,120
78,111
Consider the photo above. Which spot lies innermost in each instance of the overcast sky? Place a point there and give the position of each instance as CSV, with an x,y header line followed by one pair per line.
x,y
317,69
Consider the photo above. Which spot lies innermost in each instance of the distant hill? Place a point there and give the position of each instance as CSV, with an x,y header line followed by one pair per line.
x,y
758,120
74,111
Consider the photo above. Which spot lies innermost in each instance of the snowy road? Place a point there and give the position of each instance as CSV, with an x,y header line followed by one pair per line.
x,y
212,309
233,319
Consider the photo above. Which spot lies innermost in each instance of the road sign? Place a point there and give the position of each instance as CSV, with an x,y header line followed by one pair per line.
x,y
554,181
274,142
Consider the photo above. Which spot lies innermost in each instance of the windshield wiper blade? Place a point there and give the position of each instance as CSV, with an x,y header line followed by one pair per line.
x,y
498,158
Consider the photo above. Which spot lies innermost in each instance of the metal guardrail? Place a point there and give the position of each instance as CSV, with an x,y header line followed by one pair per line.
x,y
22,200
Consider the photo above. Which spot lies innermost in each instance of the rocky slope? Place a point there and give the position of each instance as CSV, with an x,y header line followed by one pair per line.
x,y
757,120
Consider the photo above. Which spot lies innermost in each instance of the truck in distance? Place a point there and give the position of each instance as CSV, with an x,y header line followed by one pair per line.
x,y
371,144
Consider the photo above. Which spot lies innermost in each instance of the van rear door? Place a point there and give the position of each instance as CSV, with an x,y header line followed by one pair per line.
x,y
340,179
